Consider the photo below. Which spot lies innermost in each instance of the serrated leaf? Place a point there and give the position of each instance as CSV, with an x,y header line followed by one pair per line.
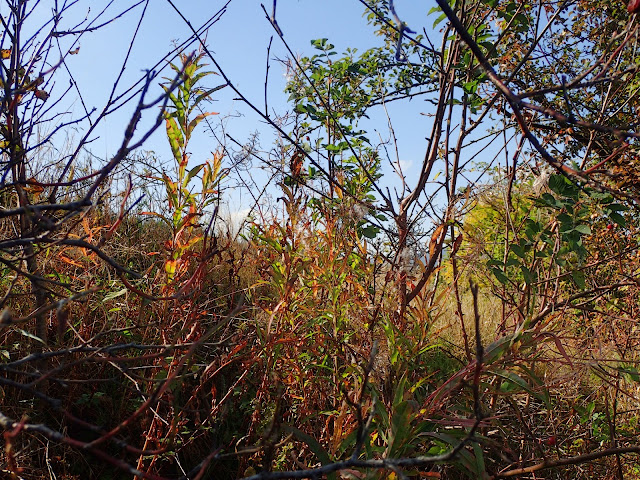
x,y
556,183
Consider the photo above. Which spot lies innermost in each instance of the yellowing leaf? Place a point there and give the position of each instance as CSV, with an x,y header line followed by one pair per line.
x,y
193,123
5,53
33,86
176,140
217,164
170,267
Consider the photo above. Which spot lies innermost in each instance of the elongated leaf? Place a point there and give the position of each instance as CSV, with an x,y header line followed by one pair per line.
x,y
112,295
480,466
314,446
176,140
207,94
193,123
31,336
435,237
192,173
465,457
502,278
439,19
518,381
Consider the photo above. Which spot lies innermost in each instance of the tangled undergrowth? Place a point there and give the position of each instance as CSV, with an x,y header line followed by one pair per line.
x,y
477,328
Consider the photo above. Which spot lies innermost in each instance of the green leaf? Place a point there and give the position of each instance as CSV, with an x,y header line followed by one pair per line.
x,y
192,173
512,262
579,278
207,94
514,380
526,273
439,19
518,250
479,454
618,219
631,371
470,87
314,446
370,231
616,207
502,278
193,123
176,140
465,457
112,295
584,229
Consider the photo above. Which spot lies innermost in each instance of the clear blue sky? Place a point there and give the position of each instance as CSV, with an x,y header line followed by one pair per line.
x,y
239,41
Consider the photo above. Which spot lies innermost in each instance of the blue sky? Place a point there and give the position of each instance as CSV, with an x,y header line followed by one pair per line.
x,y
239,41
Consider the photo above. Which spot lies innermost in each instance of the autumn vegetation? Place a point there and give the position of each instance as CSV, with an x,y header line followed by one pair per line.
x,y
475,317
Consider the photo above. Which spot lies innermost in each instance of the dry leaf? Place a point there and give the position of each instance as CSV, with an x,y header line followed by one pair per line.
x,y
434,239
42,95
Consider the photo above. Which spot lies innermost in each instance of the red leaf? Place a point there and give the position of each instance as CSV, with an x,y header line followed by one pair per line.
x,y
634,6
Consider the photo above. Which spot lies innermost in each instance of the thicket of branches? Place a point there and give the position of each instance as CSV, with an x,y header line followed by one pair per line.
x,y
473,317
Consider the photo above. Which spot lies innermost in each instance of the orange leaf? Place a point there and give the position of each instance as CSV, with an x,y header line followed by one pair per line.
x,y
170,267
33,186
70,262
434,239
87,229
